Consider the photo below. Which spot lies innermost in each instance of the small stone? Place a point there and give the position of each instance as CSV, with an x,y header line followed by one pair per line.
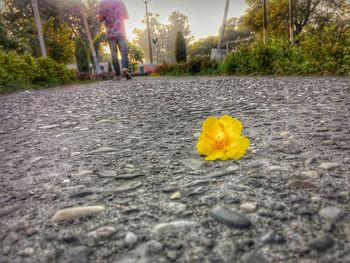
x,y
102,232
108,174
194,164
307,261
127,186
252,182
173,254
273,238
129,176
81,173
200,190
331,213
35,159
322,243
27,252
10,239
72,154
299,184
253,257
248,206
103,150
347,231
75,212
153,247
329,166
130,238
311,174
81,194
230,217
66,181
176,195
174,207
173,227
74,255
226,250
10,210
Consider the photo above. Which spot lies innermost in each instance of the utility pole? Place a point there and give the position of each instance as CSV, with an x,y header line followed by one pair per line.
x,y
149,34
264,21
91,44
221,39
291,28
39,27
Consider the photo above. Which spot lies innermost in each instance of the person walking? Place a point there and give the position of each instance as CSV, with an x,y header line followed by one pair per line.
x,y
113,13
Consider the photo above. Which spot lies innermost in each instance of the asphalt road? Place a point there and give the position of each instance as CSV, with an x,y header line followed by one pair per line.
x,y
121,156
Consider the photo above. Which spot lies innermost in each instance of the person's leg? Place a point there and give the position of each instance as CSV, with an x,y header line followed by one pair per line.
x,y
114,53
123,47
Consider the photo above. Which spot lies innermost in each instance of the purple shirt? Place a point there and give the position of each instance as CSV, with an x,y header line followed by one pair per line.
x,y
113,13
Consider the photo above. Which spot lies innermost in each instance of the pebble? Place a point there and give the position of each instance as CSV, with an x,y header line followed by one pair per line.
x,y
131,238
10,210
35,159
103,150
248,206
273,238
176,195
311,174
102,232
27,252
81,173
322,243
329,166
252,182
347,231
226,250
75,212
154,247
81,194
199,191
253,257
299,184
230,217
173,227
194,164
331,213
129,176
307,261
174,207
10,239
127,186
74,255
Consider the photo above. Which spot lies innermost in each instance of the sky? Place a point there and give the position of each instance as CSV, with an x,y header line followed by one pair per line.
x,y
205,16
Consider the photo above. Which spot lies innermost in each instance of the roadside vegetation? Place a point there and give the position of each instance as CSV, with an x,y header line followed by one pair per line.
x,y
321,43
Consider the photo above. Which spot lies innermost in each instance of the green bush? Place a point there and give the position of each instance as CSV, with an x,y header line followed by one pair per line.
x,y
81,55
194,67
18,72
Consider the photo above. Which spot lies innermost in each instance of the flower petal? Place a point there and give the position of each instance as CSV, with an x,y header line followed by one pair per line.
x,y
238,148
211,126
217,154
231,126
205,145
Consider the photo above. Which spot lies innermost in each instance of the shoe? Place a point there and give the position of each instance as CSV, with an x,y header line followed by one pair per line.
x,y
126,73
117,78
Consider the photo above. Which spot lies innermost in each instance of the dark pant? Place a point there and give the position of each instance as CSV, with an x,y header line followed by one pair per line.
x,y
123,47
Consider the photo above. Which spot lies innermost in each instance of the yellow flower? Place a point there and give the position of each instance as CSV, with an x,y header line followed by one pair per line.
x,y
221,139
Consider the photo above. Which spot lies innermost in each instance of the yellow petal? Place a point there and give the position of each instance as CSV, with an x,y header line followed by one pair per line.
x,y
238,148
231,126
211,126
205,145
217,154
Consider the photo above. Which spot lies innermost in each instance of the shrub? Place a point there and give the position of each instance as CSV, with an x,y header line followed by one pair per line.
x,y
81,55
180,48
18,71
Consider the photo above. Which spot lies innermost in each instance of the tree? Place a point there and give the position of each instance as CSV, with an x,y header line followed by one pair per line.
x,y
201,49
305,12
81,55
135,55
180,48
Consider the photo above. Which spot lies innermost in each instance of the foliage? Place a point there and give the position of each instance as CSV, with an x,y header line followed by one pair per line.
x,y
81,55
165,34
18,71
202,48
193,67
313,12
180,48
135,55
322,51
